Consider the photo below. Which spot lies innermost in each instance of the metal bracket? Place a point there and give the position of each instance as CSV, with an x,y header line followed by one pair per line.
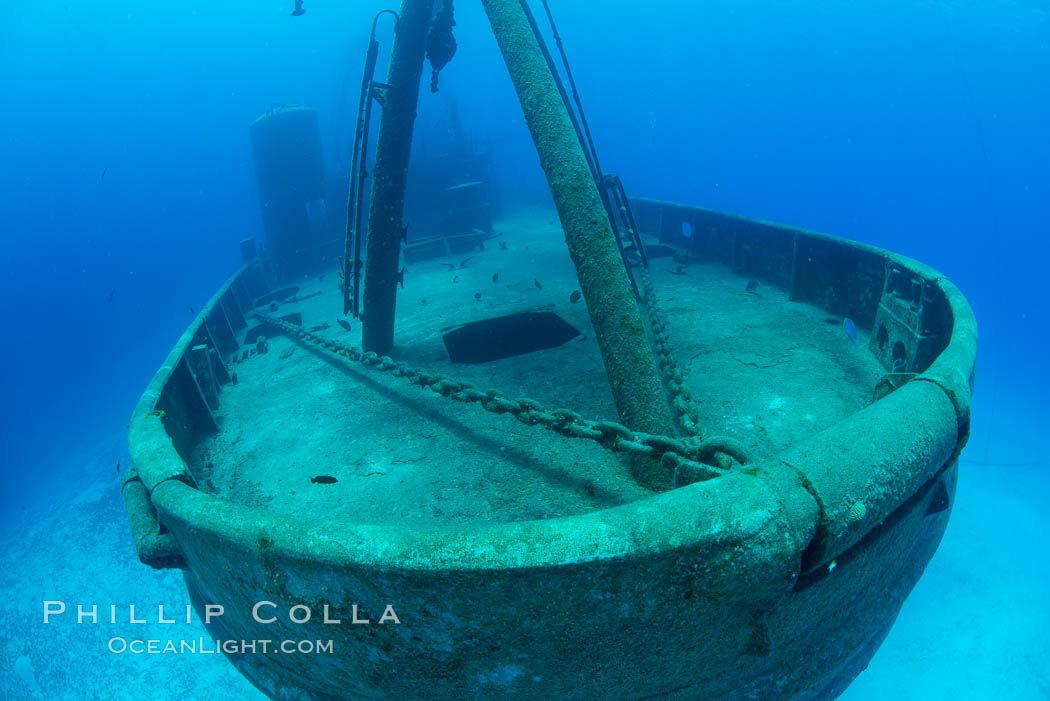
x,y
889,383
378,92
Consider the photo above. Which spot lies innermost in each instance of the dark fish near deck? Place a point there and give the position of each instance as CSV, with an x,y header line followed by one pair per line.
x,y
462,264
495,277
538,284
575,297
344,323
851,330
323,479
477,295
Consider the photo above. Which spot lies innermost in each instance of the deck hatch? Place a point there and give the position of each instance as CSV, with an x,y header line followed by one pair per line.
x,y
506,336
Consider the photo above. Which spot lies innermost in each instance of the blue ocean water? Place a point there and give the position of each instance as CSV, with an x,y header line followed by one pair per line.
x,y
126,182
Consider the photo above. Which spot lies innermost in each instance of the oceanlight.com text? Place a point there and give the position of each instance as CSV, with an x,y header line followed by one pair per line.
x,y
207,646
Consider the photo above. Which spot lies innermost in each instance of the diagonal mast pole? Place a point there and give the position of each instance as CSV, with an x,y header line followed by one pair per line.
x,y
629,362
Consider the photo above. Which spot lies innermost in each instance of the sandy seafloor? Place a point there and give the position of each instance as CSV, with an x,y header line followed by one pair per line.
x,y
977,626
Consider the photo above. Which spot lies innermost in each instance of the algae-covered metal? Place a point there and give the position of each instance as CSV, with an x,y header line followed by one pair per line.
x,y
775,581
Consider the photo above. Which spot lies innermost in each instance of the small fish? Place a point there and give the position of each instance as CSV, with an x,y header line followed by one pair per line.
x,y
752,286
575,297
495,277
538,284
465,261
192,312
118,467
424,302
323,479
298,11
851,330
477,295
455,278
550,223
102,178
344,323
502,245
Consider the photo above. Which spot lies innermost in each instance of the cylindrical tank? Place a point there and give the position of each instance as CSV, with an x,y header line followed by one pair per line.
x,y
289,172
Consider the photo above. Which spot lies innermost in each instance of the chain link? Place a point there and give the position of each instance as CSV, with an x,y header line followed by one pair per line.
x,y
686,409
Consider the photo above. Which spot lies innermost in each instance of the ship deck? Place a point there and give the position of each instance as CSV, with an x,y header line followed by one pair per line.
x,y
763,370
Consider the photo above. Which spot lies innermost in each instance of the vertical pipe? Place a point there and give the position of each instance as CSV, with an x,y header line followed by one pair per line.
x,y
390,173
629,363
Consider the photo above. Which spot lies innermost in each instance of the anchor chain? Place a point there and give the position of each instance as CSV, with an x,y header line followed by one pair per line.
x,y
682,457
717,450
687,410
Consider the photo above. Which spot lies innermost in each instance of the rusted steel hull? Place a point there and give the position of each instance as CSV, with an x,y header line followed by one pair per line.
x,y
775,582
